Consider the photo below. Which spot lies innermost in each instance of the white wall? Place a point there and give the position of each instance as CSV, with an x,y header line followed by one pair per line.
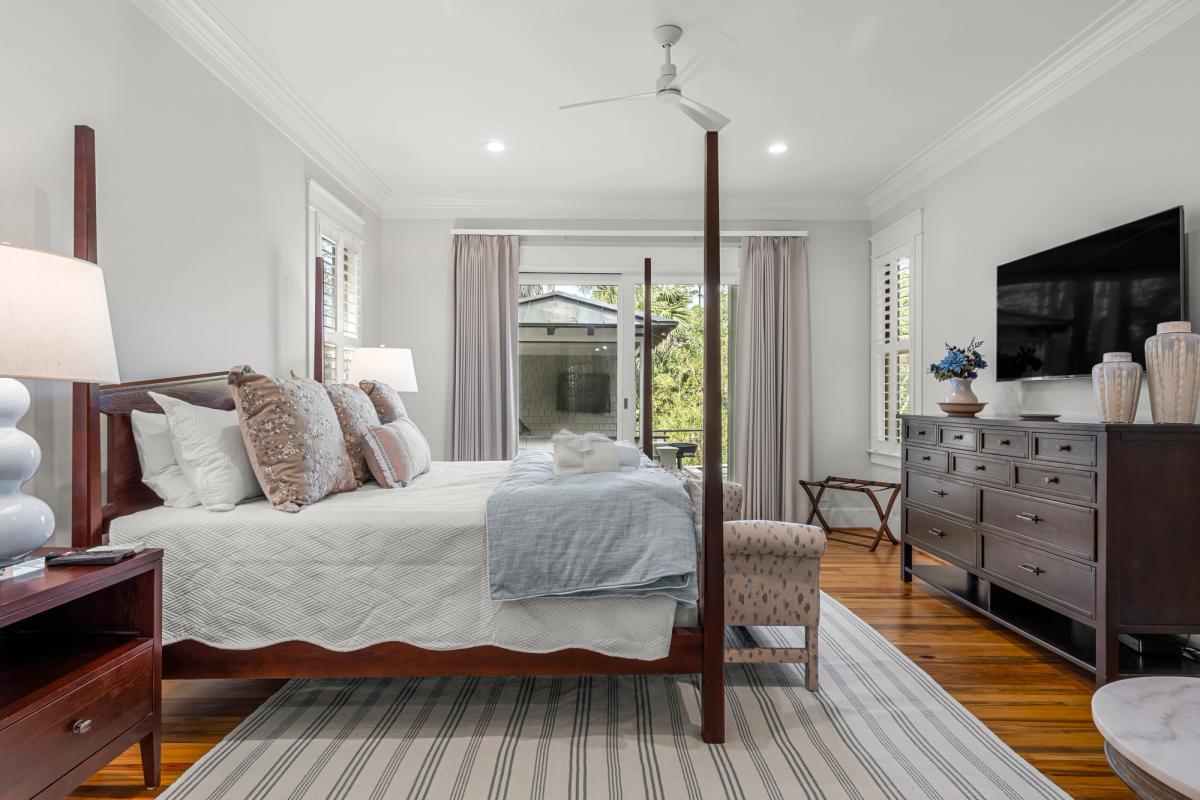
x,y
1125,146
201,203
417,312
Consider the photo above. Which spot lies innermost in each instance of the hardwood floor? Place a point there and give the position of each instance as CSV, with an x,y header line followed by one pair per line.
x,y
1035,702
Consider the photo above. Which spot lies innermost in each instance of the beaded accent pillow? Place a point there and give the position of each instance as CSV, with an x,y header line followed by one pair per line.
x,y
387,402
293,437
356,415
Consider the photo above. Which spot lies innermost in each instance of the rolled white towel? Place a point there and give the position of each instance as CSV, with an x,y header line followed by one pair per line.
x,y
628,453
581,455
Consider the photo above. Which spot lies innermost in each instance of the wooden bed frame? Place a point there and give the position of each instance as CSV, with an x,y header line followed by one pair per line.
x,y
693,650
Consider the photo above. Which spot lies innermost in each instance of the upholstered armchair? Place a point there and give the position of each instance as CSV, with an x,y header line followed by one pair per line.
x,y
772,578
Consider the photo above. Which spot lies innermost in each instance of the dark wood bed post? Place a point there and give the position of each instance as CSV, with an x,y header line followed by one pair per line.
x,y
712,684
319,323
86,525
647,371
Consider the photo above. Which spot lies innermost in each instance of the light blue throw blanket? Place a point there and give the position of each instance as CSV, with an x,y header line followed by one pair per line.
x,y
608,534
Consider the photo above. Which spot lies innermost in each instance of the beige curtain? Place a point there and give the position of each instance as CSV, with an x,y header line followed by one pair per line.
x,y
483,416
771,381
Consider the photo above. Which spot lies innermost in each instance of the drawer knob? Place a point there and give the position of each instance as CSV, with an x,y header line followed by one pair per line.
x,y
1005,442
938,492
938,532
924,458
81,726
1050,479
1064,448
980,467
958,437
1032,569
1034,518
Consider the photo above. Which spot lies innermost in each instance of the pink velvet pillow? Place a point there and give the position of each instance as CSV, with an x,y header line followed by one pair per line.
x,y
397,453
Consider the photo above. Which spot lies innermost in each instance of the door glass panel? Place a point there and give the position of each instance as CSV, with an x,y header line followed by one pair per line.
x,y
567,360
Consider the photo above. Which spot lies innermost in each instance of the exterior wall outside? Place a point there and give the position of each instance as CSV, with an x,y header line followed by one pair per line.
x,y
539,395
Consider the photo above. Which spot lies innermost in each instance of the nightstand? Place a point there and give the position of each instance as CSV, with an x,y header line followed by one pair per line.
x,y
80,674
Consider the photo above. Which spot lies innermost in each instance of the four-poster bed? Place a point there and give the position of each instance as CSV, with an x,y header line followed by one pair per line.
x,y
697,649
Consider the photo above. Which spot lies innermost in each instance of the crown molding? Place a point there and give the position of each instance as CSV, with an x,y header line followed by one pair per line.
x,y
208,36
583,207
1125,30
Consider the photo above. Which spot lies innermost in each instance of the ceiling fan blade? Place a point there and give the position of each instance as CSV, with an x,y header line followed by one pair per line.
x,y
716,48
704,116
640,96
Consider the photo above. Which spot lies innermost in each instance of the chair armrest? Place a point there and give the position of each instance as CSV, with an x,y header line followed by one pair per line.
x,y
765,538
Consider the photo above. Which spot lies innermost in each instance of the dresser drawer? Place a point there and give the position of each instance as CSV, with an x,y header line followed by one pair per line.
x,y
980,468
1065,448
920,433
50,741
1070,483
1005,443
1060,579
1070,529
923,458
940,535
958,437
951,497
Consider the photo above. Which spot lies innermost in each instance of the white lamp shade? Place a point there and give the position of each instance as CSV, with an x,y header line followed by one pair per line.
x,y
391,365
54,322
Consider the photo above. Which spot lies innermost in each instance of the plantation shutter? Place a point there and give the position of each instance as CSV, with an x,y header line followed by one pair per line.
x,y
890,346
342,301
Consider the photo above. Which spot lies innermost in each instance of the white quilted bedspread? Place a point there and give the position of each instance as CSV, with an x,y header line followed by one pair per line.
x,y
370,566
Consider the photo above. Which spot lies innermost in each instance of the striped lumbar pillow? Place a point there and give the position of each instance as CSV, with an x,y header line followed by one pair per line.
x,y
396,453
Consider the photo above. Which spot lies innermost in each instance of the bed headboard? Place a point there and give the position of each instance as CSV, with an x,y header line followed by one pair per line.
x,y
115,453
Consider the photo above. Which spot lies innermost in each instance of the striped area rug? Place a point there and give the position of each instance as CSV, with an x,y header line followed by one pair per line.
x,y
878,728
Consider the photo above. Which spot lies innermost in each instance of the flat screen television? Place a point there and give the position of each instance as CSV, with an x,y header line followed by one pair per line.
x,y
1059,311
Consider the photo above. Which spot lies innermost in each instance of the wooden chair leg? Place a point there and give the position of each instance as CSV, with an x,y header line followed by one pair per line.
x,y
811,648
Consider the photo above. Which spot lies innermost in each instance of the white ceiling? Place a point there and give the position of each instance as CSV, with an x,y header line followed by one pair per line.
x,y
855,87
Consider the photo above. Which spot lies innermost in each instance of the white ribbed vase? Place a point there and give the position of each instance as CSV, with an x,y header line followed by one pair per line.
x,y
1117,383
1173,372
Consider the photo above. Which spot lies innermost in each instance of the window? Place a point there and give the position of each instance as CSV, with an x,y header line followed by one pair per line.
x,y
337,240
891,360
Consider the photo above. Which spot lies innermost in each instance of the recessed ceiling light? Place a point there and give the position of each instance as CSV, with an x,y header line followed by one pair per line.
x,y
494,146
777,148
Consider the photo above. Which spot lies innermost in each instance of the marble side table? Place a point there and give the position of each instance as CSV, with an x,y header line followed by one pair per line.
x,y
1151,729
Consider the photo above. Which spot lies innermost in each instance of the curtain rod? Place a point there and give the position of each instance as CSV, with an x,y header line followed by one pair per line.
x,y
605,234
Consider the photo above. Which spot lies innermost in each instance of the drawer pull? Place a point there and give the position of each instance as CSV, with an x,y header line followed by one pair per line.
x,y
938,532
1064,448
920,433
81,726
1034,518
1032,569
924,458
1049,479
958,437
1005,442
938,492
980,467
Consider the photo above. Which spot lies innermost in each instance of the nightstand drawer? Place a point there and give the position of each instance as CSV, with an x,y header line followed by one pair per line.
x,y
1060,579
951,497
50,741
979,468
1070,529
1070,483
1005,443
958,438
920,433
940,535
923,458
1065,448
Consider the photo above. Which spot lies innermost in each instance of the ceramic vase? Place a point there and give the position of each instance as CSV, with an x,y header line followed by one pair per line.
x,y
1117,384
1173,372
960,391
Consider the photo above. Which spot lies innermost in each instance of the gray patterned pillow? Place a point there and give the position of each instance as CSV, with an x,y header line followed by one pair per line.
x,y
356,415
387,402
293,437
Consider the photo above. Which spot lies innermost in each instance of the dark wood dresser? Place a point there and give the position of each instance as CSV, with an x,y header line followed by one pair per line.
x,y
80,674
1070,534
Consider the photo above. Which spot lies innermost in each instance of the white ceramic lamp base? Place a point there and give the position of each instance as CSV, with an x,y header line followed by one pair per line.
x,y
26,523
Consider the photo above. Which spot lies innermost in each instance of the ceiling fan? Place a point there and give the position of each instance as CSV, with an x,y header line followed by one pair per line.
x,y
668,87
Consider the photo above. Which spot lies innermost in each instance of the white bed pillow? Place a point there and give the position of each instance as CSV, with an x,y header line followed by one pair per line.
x,y
160,471
209,449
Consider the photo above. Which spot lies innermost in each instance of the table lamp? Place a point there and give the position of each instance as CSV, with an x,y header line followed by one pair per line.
x,y
392,365
54,325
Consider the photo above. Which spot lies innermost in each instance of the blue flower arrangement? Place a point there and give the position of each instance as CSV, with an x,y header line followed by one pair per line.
x,y
959,362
